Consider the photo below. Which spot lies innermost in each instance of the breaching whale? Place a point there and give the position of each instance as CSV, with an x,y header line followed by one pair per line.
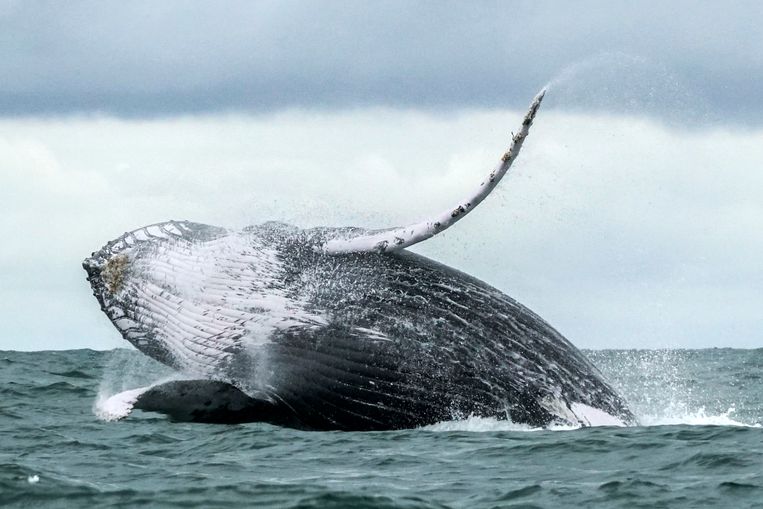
x,y
337,328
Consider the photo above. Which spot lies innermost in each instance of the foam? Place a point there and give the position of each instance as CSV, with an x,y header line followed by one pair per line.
x,y
490,424
591,417
697,418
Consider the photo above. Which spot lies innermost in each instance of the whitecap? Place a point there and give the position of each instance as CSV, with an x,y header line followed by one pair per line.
x,y
697,418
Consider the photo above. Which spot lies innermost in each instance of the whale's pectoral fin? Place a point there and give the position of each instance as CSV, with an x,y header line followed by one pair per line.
x,y
119,405
211,401
399,238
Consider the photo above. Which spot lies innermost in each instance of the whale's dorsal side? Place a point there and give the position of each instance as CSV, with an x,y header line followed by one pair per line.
x,y
394,239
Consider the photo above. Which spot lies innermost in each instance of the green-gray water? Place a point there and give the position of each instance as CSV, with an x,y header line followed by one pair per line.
x,y
699,445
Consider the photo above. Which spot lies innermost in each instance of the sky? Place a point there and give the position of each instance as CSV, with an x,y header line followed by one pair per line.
x,y
630,220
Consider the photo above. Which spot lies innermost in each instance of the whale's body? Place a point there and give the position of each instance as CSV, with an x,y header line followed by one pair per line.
x,y
362,341
337,329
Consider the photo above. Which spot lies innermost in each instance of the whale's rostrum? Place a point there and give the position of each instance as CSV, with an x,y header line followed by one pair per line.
x,y
337,328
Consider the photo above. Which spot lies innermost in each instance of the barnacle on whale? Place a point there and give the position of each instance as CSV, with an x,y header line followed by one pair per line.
x,y
113,273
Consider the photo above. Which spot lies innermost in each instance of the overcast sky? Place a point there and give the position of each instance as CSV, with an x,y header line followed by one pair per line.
x,y
632,218
161,58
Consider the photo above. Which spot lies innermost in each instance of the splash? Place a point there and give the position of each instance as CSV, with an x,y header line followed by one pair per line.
x,y
682,387
629,84
491,425
698,418
586,415
663,388
487,424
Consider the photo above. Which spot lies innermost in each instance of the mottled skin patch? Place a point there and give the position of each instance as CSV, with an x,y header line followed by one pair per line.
x,y
113,273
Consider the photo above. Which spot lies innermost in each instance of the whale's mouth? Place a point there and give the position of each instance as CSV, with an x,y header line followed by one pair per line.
x,y
94,267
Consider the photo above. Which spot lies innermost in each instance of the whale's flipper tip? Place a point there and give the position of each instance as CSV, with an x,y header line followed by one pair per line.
x,y
118,406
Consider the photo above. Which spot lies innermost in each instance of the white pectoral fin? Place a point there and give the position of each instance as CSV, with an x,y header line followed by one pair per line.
x,y
590,416
400,238
118,406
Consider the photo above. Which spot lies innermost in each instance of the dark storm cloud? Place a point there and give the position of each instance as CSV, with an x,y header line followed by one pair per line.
x,y
166,58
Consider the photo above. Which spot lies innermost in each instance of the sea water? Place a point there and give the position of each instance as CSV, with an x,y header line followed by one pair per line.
x,y
699,444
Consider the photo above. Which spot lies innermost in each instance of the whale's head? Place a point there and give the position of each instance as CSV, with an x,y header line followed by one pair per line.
x,y
191,295
111,274
127,275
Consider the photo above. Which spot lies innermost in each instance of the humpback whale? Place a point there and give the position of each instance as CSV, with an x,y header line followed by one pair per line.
x,y
337,328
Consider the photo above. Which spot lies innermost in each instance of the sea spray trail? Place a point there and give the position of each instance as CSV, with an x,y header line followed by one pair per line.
x,y
615,81
714,386
691,452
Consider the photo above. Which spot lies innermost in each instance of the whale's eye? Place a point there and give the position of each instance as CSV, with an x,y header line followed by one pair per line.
x,y
113,273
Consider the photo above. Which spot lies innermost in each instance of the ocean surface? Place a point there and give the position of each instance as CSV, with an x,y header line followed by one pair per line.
x,y
700,444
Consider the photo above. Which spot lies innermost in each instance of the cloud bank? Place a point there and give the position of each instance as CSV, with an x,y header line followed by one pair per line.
x,y
620,231
686,61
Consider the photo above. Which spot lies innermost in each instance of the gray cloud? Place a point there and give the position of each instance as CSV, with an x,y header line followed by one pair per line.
x,y
678,60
